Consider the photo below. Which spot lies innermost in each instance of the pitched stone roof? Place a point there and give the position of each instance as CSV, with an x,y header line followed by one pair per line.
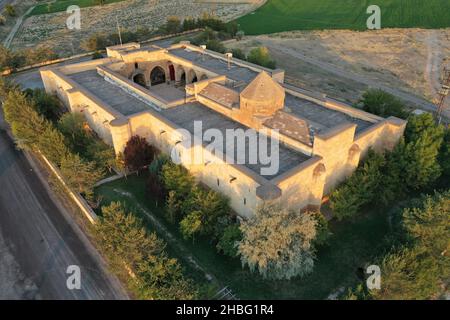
x,y
221,94
263,88
291,126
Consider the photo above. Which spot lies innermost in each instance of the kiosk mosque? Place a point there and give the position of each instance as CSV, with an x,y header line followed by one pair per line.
x,y
159,91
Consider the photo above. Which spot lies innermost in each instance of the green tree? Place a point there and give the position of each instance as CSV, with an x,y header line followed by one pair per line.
x,y
51,144
76,131
191,225
229,241
176,178
173,25
381,103
360,189
95,42
47,105
26,124
277,243
423,143
444,157
173,211
261,56
79,174
10,10
129,247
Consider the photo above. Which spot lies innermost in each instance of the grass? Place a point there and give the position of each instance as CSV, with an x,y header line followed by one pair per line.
x,y
61,5
354,244
288,15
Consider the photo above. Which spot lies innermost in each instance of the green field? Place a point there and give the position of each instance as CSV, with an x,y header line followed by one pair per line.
x,y
288,15
61,5
352,245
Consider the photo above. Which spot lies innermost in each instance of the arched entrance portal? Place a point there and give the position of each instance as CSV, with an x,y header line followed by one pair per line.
x,y
183,79
172,72
157,76
140,80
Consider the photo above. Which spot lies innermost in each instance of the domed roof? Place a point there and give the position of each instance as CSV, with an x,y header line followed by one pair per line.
x,y
263,88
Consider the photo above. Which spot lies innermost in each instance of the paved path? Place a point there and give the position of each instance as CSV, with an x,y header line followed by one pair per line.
x,y
42,236
425,105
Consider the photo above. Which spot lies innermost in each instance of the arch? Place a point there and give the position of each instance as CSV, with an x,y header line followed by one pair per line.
x,y
319,170
192,76
172,72
157,76
139,78
353,152
181,77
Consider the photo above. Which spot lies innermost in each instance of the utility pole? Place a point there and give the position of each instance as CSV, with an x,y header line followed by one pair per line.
x,y
118,29
442,95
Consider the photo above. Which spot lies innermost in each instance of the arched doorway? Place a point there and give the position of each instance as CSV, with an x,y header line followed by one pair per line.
x,y
140,80
172,72
157,76
192,76
183,79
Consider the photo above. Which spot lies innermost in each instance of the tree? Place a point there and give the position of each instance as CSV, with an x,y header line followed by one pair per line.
x,y
322,230
79,174
47,105
173,208
173,25
51,144
10,10
423,143
26,124
138,153
95,42
128,246
155,187
229,241
238,53
277,243
177,179
360,188
381,103
191,225
261,56
76,131
444,157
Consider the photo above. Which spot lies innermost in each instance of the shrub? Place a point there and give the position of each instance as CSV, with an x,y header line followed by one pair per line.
x,y
10,10
381,103
261,56
229,241
138,153
277,243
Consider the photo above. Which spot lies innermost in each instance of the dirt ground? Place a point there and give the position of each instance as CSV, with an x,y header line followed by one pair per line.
x,y
408,59
50,29
21,7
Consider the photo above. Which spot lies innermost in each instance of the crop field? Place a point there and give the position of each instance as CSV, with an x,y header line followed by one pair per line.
x,y
288,15
61,5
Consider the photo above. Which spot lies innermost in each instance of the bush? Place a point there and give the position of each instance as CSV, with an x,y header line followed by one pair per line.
x,y
95,42
10,10
239,54
261,56
277,243
322,230
360,189
229,241
138,153
383,104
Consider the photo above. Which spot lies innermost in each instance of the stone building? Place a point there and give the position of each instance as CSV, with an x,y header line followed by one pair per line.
x,y
156,91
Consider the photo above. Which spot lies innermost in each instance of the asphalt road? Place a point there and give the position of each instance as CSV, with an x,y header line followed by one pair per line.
x,y
42,238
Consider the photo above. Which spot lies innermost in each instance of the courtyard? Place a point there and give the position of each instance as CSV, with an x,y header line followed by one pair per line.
x,y
353,245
